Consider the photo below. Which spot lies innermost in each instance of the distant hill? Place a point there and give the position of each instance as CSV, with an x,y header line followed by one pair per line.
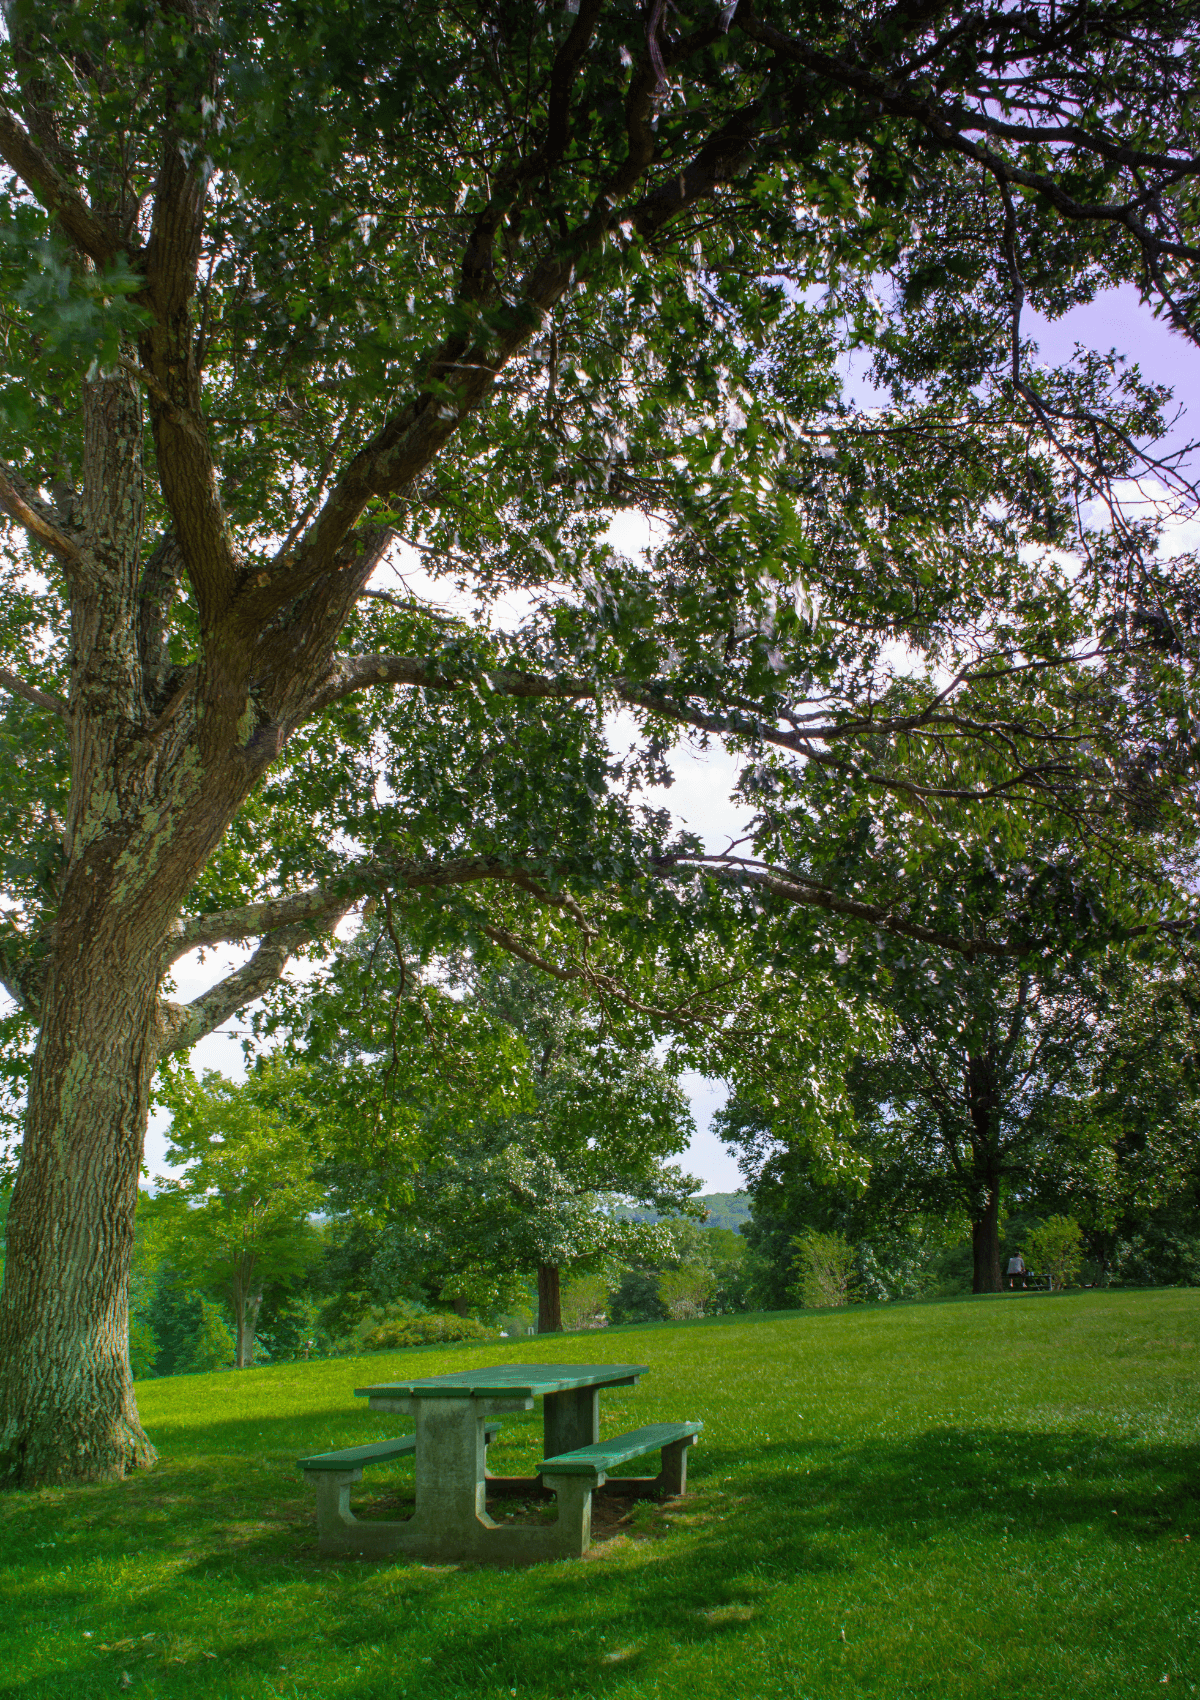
x,y
725,1210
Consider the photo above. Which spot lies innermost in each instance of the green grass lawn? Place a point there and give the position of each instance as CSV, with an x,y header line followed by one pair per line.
x,y
981,1498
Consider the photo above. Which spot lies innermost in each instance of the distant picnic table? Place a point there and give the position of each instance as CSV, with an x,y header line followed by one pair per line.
x,y
453,1428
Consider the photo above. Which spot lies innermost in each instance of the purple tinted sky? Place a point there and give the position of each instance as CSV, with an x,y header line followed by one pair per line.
x,y
1118,320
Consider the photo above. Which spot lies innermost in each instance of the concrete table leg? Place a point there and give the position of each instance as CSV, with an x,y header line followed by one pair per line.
x,y
570,1420
672,1477
572,1534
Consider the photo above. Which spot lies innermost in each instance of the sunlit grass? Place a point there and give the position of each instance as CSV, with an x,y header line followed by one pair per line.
x,y
988,1498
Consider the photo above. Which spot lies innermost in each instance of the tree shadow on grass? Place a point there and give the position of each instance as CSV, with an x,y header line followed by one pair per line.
x,y
694,1573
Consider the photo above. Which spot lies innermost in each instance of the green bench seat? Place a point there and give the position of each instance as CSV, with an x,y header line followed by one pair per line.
x,y
598,1461
379,1452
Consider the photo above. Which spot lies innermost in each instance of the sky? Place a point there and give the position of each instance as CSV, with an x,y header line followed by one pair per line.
x,y
700,795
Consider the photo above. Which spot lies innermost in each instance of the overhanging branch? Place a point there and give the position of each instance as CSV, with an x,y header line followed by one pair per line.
x,y
18,687
22,503
181,1025
89,234
811,894
320,906
364,672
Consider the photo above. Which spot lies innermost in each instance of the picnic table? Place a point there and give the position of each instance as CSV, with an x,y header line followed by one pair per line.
x,y
454,1424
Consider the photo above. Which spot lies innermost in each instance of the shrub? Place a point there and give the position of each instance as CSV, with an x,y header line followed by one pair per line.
x,y
423,1331
585,1302
1158,1256
1055,1248
824,1270
684,1292
213,1346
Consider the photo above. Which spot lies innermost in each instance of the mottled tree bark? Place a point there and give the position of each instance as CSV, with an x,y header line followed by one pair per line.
x,y
70,1411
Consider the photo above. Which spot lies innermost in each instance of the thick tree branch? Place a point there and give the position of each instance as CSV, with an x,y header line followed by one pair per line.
x,y
256,920
293,651
89,234
181,1025
460,375
170,370
351,673
22,967
157,591
360,879
16,686
22,503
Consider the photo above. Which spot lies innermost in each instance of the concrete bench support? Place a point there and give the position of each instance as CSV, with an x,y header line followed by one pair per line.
x,y
451,1524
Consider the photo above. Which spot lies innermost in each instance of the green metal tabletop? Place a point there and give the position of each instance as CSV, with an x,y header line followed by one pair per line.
x,y
507,1381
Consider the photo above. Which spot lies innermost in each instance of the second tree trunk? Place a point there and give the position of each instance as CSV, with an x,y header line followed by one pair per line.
x,y
549,1300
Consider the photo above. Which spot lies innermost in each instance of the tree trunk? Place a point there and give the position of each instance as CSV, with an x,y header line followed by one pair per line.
x,y
253,1306
66,1405
987,1276
159,768
983,1098
549,1299
246,1305
67,1410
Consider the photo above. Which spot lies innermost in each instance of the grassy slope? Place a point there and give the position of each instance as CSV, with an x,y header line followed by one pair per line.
x,y
990,1498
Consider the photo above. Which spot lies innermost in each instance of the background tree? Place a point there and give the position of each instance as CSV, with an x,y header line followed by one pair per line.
x,y
247,1194
824,1270
606,1113
714,1274
585,1302
542,269
173,1328
685,1292
1141,1218
983,1055
552,1115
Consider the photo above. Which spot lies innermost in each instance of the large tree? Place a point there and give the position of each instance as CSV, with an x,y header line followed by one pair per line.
x,y
978,1082
282,285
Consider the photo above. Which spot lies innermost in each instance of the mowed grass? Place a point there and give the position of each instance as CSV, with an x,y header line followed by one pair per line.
x,y
985,1498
